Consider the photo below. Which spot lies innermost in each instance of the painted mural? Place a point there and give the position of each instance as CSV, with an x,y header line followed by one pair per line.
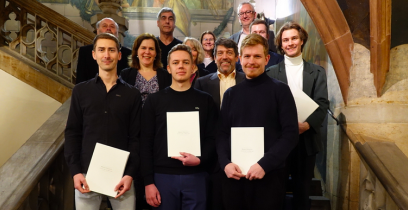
x,y
314,51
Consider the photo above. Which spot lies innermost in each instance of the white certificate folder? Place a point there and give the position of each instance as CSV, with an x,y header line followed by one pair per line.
x,y
247,146
106,169
304,104
183,133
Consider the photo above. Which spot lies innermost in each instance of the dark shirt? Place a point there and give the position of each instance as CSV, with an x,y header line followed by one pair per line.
x,y
154,131
163,77
165,50
111,118
260,102
87,67
211,68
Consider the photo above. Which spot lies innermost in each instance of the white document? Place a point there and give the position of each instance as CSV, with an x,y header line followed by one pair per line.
x,y
304,104
106,169
183,133
247,146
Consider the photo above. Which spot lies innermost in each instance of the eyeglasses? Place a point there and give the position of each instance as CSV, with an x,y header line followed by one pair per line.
x,y
211,40
247,13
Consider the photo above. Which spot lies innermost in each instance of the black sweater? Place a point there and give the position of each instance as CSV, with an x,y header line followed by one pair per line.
x,y
260,102
154,131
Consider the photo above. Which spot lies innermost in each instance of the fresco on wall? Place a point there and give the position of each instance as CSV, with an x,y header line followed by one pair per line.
x,y
314,51
182,9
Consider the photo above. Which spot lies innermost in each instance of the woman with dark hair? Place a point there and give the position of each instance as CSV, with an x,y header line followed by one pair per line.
x,y
207,40
198,57
146,71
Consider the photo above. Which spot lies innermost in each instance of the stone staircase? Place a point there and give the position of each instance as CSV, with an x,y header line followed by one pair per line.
x,y
317,200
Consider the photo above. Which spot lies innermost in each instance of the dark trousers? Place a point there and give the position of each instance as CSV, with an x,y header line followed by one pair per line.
x,y
182,192
301,166
267,193
214,201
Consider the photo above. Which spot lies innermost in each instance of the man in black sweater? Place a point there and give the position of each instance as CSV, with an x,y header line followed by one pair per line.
x,y
258,101
177,182
87,67
166,21
107,110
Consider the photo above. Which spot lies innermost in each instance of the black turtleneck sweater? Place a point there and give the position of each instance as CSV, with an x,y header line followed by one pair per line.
x,y
153,150
260,102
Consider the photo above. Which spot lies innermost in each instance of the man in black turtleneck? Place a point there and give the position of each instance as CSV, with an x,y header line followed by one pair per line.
x,y
259,101
177,182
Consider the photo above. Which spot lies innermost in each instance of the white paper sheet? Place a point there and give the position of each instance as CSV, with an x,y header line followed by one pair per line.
x,y
304,104
183,133
247,146
106,169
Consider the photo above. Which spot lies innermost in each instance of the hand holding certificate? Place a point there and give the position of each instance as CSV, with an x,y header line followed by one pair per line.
x,y
183,133
247,146
106,171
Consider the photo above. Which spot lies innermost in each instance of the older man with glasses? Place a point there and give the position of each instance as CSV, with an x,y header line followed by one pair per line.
x,y
246,13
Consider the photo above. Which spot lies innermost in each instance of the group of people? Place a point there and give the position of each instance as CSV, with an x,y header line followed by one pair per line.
x,y
122,98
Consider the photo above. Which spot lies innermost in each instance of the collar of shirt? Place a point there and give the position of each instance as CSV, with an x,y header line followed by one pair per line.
x,y
293,61
223,77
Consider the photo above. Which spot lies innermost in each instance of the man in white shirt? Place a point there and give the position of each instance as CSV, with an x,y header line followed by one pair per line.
x,y
226,55
246,13
311,79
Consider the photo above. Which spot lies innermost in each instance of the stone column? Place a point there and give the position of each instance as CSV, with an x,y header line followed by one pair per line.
x,y
112,9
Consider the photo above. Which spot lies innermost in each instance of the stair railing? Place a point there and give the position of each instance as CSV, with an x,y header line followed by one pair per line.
x,y
42,38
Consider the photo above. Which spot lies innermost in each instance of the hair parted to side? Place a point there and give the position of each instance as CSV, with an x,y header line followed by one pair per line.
x,y
227,43
166,9
202,37
134,61
106,36
252,40
180,47
198,46
287,26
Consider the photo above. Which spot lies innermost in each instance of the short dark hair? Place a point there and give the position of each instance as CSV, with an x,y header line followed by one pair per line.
x,y
255,39
166,9
106,36
180,47
259,22
227,43
134,61
287,26
214,37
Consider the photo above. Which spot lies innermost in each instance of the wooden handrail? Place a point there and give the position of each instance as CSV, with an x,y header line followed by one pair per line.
x,y
57,19
22,172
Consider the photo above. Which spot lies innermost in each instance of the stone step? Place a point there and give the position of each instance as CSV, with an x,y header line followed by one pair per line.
x,y
316,203
315,188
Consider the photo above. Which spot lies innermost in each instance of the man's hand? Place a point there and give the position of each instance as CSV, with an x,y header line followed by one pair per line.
x,y
152,195
188,159
124,185
232,171
255,172
80,183
304,126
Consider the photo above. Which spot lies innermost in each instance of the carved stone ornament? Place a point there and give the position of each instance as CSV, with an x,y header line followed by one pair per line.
x,y
110,6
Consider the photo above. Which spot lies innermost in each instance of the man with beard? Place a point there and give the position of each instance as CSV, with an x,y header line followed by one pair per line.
x,y
166,21
258,101
87,67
